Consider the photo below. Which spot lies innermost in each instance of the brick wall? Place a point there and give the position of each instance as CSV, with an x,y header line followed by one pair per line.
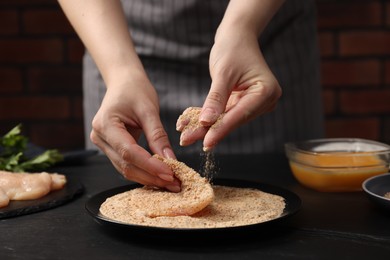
x,y
355,48
40,71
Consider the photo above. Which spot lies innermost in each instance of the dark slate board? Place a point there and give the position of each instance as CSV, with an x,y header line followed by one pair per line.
x,y
54,199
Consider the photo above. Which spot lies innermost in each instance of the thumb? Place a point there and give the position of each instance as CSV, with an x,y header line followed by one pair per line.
x,y
157,137
216,101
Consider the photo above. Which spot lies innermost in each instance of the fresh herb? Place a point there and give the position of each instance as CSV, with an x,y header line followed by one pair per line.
x,y
12,154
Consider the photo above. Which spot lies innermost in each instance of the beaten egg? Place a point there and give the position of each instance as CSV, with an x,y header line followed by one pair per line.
x,y
337,168
337,172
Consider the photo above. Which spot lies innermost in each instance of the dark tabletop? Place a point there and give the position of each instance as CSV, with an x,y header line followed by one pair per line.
x,y
328,225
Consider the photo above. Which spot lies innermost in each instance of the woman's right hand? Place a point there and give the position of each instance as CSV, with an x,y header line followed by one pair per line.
x,y
127,110
130,105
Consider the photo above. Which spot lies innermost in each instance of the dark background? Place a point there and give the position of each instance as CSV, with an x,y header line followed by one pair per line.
x,y
40,71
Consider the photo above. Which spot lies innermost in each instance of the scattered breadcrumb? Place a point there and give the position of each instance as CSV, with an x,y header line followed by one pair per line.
x,y
189,120
387,195
209,167
230,207
198,205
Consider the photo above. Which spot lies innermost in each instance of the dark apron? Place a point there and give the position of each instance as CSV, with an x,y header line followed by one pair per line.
x,y
173,39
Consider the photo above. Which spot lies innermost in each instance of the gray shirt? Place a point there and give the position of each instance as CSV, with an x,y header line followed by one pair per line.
x,y
173,39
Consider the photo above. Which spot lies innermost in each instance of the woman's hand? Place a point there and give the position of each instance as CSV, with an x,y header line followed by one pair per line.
x,y
243,87
130,105
127,110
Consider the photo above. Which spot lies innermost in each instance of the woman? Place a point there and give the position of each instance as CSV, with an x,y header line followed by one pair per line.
x,y
160,57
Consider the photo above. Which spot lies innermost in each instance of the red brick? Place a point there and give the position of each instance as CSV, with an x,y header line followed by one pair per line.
x,y
25,3
10,80
386,131
364,43
388,14
31,50
351,73
364,102
75,50
329,101
25,108
336,14
77,108
62,136
49,80
9,22
44,21
387,72
367,128
327,43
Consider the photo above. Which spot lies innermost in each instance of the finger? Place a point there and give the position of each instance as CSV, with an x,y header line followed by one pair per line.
x,y
157,137
190,136
250,105
134,173
215,134
185,118
181,123
116,140
215,102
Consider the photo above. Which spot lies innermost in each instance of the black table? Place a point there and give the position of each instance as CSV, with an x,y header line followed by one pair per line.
x,y
329,225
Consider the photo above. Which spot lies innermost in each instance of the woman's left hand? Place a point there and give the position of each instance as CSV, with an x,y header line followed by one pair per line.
x,y
243,87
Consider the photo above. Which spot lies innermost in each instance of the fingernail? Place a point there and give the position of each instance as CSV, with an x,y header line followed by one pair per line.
x,y
209,147
173,188
181,123
166,177
179,126
206,148
168,153
182,140
208,116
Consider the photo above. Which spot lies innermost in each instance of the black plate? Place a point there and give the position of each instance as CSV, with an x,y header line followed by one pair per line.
x,y
376,187
54,199
293,204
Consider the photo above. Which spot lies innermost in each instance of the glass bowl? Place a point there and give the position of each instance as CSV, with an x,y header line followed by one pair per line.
x,y
337,164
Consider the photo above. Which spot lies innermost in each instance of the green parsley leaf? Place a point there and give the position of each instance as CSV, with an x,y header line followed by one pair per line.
x,y
12,149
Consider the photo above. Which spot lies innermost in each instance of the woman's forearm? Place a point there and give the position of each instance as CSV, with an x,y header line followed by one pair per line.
x,y
252,15
102,27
